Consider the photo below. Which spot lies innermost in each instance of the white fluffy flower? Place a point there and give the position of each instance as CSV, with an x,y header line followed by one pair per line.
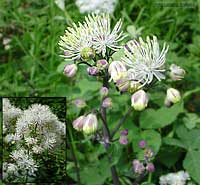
x,y
74,42
145,60
12,138
93,36
178,178
96,6
10,113
102,36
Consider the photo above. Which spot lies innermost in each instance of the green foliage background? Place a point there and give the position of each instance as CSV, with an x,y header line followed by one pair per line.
x,y
32,67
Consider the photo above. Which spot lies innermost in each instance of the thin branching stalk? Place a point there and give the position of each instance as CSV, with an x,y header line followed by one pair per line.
x,y
107,138
74,159
123,119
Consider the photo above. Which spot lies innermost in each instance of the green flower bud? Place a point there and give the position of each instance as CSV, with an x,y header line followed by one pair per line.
x,y
173,95
87,53
90,124
139,100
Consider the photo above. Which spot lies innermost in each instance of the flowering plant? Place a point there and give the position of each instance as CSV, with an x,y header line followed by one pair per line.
x,y
30,137
136,69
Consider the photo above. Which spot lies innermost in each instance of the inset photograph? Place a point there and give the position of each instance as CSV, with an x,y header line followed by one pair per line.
x,y
34,140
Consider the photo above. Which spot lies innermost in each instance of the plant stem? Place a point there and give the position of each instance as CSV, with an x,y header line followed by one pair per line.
x,y
107,138
74,158
149,177
123,119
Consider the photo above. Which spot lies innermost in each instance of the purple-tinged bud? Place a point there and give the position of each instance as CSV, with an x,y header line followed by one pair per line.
x,y
117,70
123,84
90,124
176,72
138,167
80,103
102,64
123,140
134,85
150,167
107,102
139,100
70,70
124,132
78,123
87,53
173,96
93,71
148,153
104,92
142,144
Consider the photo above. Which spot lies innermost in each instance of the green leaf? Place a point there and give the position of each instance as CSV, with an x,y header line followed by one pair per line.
x,y
61,67
153,119
117,55
192,164
191,120
174,142
169,156
191,139
153,139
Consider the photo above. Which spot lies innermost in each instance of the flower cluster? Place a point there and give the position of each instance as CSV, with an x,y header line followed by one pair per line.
x,y
91,37
140,167
178,178
33,132
96,6
88,124
123,137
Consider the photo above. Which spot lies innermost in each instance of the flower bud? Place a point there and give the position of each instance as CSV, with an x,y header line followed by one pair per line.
x,y
117,70
102,64
142,144
176,72
173,96
150,167
123,140
123,84
80,103
124,132
139,100
134,85
78,123
93,71
104,92
90,124
70,70
87,53
148,153
107,102
138,167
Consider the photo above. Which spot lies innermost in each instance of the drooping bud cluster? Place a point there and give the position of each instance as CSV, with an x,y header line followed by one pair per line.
x,y
145,165
88,124
123,137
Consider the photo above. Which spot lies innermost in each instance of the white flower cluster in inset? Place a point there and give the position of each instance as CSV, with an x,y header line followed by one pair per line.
x,y
10,114
35,130
96,6
178,178
91,37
